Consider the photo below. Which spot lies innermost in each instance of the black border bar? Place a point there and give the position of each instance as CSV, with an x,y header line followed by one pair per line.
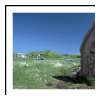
x,y
5,54
54,5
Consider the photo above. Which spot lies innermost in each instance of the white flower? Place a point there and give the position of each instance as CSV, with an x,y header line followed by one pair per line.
x,y
58,64
74,64
23,56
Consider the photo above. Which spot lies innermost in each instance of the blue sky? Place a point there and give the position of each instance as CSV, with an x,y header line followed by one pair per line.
x,y
60,32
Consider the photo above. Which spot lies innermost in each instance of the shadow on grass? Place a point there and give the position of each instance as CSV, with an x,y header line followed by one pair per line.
x,y
74,79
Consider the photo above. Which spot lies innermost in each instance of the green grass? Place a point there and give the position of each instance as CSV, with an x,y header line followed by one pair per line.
x,y
39,74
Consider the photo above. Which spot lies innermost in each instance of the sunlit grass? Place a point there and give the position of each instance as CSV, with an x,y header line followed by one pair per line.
x,y
39,74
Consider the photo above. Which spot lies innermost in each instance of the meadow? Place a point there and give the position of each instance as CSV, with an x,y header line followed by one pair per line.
x,y
51,73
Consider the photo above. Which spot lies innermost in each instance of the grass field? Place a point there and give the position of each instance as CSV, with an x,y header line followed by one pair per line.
x,y
46,74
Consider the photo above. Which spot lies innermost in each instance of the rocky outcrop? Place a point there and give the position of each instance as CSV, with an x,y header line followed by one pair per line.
x,y
87,51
